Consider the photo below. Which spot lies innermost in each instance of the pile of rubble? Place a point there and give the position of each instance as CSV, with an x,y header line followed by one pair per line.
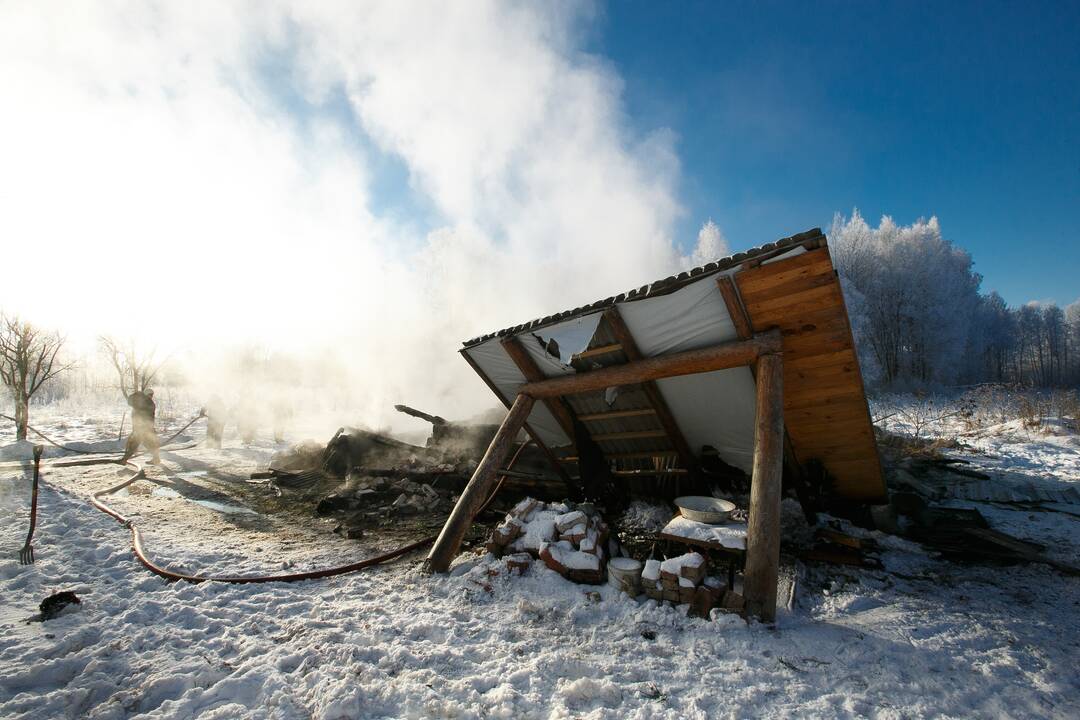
x,y
685,580
571,539
369,499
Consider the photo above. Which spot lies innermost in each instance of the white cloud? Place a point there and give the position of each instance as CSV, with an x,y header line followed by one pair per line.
x,y
154,183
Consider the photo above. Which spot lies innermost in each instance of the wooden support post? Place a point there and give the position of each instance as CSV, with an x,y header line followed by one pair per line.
x,y
479,488
763,531
793,469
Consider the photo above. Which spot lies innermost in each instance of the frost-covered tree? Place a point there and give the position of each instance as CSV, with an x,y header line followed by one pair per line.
x,y
994,338
912,294
711,246
1072,342
28,359
136,368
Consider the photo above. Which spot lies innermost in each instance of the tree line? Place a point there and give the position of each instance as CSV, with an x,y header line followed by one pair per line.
x,y
920,319
31,358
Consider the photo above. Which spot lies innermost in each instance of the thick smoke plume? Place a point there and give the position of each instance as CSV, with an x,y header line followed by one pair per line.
x,y
356,187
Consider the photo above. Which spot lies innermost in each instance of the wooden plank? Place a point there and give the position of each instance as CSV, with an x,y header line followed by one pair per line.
x,y
548,453
643,455
849,452
616,414
756,279
823,360
844,398
808,432
792,287
853,438
820,416
763,526
734,304
691,362
823,389
630,435
479,488
597,351
819,342
814,298
799,317
823,386
830,375
649,472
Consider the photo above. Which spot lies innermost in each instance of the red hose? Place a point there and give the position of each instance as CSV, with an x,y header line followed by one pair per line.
x,y
139,549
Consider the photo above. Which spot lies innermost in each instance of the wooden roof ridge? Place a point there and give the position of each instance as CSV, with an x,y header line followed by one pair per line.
x,y
809,239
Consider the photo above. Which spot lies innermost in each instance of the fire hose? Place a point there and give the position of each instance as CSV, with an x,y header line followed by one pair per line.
x,y
52,442
139,548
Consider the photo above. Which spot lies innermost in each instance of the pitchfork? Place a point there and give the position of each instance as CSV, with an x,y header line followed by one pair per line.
x,y
26,555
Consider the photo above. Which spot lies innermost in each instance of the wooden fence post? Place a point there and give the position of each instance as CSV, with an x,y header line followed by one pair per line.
x,y
479,487
763,533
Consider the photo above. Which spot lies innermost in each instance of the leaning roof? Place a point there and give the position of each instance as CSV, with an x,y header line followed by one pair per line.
x,y
664,428
666,285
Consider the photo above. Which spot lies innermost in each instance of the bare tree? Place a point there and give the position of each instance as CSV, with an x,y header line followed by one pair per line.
x,y
135,369
27,361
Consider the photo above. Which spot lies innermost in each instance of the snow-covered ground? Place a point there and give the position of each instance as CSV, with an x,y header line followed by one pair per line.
x,y
922,638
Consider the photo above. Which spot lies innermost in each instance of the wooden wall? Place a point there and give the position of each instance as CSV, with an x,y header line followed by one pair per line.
x,y
825,409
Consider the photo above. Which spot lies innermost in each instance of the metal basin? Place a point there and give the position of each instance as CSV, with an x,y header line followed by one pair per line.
x,y
709,510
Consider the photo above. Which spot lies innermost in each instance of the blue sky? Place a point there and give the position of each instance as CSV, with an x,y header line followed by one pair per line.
x,y
788,112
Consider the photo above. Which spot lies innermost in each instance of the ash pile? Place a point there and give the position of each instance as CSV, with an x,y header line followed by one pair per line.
x,y
365,480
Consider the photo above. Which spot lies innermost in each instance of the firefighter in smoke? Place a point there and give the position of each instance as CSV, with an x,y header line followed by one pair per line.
x,y
215,414
143,411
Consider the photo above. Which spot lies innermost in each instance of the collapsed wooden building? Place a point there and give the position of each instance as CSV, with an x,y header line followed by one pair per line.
x,y
748,360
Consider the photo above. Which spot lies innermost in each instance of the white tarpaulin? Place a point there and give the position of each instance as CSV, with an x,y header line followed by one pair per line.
x,y
715,408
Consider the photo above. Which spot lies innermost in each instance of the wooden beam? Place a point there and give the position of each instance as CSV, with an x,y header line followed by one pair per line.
x,y
528,367
652,391
551,457
643,455
763,528
630,435
718,357
479,488
616,414
735,308
597,351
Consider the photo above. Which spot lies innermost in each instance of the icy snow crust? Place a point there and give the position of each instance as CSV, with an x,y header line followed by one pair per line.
x,y
928,638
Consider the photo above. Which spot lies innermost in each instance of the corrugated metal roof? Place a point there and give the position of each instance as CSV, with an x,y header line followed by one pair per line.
x,y
661,287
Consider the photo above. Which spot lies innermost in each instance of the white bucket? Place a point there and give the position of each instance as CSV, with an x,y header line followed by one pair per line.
x,y
625,574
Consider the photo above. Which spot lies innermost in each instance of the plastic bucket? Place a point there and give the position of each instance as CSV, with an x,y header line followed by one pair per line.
x,y
625,574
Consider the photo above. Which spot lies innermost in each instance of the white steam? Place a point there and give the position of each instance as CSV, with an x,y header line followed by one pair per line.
x,y
212,175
